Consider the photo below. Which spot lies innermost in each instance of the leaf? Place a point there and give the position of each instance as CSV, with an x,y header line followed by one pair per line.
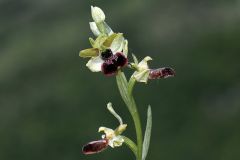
x,y
90,52
147,135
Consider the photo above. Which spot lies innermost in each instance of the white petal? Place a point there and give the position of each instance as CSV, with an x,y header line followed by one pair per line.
x,y
108,29
108,132
116,141
143,64
97,14
117,44
141,76
94,28
95,64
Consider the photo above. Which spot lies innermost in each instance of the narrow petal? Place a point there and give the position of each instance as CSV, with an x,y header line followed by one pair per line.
x,y
94,28
92,42
125,47
95,64
108,29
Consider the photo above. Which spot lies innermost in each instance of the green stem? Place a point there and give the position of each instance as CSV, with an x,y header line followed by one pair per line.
x,y
131,145
138,128
125,90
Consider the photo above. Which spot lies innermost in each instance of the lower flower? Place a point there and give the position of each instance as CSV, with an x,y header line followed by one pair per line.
x,y
110,138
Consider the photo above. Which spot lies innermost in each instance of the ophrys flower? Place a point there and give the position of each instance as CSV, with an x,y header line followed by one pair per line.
x,y
110,138
108,55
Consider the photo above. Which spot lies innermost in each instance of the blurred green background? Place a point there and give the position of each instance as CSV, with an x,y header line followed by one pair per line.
x,y
51,104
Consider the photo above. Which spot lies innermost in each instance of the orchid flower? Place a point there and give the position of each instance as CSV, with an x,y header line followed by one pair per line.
x,y
110,138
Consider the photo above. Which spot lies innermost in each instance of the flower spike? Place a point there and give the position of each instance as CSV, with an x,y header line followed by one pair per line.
x,y
109,54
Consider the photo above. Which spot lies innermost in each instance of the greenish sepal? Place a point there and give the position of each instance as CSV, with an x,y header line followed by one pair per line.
x,y
90,52
99,41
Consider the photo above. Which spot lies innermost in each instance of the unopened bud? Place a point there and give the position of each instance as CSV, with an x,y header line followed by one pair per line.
x,y
97,14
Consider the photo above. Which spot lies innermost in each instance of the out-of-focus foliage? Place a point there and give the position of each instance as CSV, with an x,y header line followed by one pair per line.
x,y
51,104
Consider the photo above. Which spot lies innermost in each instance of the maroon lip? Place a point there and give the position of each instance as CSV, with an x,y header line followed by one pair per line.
x,y
95,146
109,68
161,73
113,63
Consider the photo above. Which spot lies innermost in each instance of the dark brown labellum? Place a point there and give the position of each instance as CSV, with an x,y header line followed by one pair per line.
x,y
95,146
113,63
161,73
121,60
109,68
107,54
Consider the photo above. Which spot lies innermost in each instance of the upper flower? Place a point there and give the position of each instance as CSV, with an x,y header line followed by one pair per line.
x,y
109,53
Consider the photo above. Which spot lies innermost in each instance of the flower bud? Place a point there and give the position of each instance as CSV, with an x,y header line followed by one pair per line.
x,y
97,14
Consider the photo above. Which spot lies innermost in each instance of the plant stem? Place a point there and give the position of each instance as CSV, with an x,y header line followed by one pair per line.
x,y
131,145
125,90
